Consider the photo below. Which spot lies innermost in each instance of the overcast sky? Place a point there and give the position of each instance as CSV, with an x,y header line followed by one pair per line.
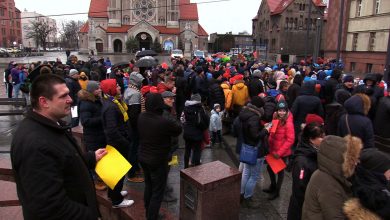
x,y
220,17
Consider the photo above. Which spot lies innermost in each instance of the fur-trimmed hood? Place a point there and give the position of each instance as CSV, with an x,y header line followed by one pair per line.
x,y
84,95
338,157
354,210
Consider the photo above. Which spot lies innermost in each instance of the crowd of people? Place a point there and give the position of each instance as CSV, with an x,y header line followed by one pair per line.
x,y
317,119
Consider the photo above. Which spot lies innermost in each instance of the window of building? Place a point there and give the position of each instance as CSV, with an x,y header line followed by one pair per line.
x,y
353,66
358,8
314,24
126,19
173,4
369,68
2,11
302,7
286,24
354,41
291,23
3,31
273,44
305,27
371,41
376,7
296,23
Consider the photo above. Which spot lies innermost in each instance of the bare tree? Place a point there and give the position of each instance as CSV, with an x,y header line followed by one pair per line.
x,y
69,33
39,31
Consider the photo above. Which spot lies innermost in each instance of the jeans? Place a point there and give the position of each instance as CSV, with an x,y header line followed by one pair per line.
x,y
133,154
16,89
216,137
155,183
250,175
196,152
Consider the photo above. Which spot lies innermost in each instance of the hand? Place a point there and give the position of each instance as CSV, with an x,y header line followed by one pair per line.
x,y
100,153
276,156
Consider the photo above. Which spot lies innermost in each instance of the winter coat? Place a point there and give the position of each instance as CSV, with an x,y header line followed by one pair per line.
x,y
115,128
240,93
330,89
201,87
305,104
196,121
237,132
255,87
51,174
333,112
228,95
329,187
74,87
281,141
372,196
304,163
253,132
269,108
359,123
216,94
90,114
156,143
215,121
382,118
292,93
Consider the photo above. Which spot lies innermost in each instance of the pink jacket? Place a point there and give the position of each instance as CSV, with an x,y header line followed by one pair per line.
x,y
282,140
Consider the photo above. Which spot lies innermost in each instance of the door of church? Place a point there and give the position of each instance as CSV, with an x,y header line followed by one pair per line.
x,y
145,41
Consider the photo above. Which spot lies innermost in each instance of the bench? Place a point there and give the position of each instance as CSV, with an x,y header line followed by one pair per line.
x,y
13,102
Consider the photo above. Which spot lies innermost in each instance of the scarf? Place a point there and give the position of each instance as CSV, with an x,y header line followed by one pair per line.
x,y
121,105
142,97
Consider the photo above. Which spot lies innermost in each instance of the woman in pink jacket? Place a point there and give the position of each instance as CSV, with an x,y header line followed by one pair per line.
x,y
280,143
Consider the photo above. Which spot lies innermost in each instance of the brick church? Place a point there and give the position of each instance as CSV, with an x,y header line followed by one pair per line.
x,y
112,22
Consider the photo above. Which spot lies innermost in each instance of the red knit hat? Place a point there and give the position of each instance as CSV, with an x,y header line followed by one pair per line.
x,y
108,87
310,118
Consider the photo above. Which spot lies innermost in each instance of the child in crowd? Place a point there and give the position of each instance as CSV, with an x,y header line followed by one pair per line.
x,y
216,125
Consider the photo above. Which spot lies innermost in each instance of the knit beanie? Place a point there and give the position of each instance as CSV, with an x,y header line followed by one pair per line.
x,y
348,78
374,160
108,87
196,97
92,86
310,118
257,101
282,105
73,72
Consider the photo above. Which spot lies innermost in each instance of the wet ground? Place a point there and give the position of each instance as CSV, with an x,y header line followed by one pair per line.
x,y
276,209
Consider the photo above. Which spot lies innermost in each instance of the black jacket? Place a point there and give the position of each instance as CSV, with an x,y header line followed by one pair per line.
x,y
51,174
382,118
196,121
330,89
333,112
90,113
253,133
115,128
360,125
292,93
216,94
74,87
304,163
255,86
156,143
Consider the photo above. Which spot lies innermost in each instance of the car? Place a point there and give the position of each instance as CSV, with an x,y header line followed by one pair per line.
x,y
199,54
177,53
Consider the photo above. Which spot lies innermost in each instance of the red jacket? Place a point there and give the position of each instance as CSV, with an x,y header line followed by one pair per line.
x,y
281,141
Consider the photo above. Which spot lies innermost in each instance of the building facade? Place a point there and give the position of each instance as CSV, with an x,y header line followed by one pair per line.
x,y
27,18
286,31
174,23
241,40
365,36
10,35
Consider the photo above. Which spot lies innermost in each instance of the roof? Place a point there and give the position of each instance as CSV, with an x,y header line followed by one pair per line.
x,y
278,6
85,28
98,9
121,29
165,30
256,17
188,11
201,31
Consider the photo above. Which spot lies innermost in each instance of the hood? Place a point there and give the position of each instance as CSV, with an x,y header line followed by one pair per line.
x,y
308,88
225,86
298,80
214,112
239,84
189,103
84,95
306,150
353,209
249,111
154,103
321,75
136,79
341,96
358,104
370,76
338,156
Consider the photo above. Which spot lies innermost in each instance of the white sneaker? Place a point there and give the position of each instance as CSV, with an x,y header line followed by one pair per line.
x,y
124,193
124,203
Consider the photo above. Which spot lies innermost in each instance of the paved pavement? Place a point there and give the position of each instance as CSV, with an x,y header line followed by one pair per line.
x,y
276,209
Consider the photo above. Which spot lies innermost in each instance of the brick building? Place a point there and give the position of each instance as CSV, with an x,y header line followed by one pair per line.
x,y
112,22
10,34
364,37
281,27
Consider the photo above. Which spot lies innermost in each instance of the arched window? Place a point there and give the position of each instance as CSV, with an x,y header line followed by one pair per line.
x,y
126,19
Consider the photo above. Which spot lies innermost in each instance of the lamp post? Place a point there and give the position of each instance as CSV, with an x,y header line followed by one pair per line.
x,y
307,28
340,32
387,65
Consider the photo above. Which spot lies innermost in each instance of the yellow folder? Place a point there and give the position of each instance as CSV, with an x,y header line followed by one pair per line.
x,y
112,167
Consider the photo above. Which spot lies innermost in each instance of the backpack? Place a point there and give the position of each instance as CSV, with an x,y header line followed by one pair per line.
x,y
191,84
15,77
